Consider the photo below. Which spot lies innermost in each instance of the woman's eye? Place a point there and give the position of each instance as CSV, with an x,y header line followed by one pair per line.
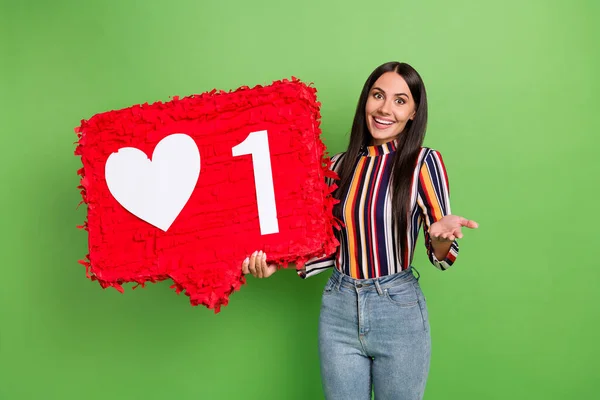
x,y
378,95
400,101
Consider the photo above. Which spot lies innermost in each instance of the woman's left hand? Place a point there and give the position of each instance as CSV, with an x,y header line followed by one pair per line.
x,y
449,228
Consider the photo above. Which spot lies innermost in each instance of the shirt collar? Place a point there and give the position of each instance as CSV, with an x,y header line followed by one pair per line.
x,y
378,150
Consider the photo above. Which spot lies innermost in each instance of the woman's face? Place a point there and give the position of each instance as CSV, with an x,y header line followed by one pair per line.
x,y
389,107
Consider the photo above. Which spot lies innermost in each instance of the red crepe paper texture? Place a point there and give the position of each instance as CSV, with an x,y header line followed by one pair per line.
x,y
203,249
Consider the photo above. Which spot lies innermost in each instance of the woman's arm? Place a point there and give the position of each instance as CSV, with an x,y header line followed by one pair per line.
x,y
441,229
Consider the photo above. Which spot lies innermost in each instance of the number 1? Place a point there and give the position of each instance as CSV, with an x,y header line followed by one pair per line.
x,y
257,144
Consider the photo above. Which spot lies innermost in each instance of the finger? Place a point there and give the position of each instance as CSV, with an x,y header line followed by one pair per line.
x,y
245,263
259,268
252,264
468,223
457,233
264,266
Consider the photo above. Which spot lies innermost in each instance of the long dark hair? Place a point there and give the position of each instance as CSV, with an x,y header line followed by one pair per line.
x,y
408,146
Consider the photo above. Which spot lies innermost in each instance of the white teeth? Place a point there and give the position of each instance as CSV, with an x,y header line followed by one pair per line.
x,y
382,122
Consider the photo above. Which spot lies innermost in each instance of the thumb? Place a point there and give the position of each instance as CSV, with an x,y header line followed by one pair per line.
x,y
273,268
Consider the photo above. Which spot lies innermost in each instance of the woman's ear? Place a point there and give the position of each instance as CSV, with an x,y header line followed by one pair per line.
x,y
412,116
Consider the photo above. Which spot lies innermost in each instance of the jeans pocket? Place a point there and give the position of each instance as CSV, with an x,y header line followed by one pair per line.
x,y
403,295
329,287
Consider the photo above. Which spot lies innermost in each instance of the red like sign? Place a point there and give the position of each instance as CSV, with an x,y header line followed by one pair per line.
x,y
186,189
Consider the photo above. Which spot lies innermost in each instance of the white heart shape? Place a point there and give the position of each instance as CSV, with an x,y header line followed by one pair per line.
x,y
155,190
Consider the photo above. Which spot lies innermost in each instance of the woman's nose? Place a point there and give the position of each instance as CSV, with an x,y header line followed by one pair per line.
x,y
385,107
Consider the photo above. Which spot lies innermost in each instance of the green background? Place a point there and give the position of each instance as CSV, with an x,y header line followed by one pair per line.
x,y
513,94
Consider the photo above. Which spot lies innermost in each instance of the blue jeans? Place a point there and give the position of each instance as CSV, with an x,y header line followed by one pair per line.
x,y
374,334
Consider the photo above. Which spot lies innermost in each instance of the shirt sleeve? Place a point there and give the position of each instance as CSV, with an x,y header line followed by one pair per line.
x,y
316,265
434,201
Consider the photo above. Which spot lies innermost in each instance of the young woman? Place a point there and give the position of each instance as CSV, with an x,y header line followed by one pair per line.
x,y
374,327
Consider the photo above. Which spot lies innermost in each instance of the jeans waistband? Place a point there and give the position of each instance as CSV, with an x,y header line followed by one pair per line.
x,y
377,284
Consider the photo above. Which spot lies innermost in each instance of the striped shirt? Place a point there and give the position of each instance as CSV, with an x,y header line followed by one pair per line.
x,y
369,242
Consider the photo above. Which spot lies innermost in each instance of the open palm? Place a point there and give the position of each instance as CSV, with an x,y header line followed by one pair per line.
x,y
450,227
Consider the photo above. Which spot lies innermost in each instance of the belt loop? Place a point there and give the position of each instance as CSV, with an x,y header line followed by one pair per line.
x,y
339,281
379,291
414,269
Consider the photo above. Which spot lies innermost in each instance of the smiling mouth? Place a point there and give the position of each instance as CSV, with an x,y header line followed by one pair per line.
x,y
382,123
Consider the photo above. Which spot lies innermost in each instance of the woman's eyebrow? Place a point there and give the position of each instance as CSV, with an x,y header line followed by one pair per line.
x,y
397,94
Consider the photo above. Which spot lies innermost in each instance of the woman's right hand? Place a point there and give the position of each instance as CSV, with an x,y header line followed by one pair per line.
x,y
256,265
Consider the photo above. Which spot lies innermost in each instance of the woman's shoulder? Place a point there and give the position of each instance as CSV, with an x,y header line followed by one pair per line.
x,y
335,161
337,157
429,154
430,160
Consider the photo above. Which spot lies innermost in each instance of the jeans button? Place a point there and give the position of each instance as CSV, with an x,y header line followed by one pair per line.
x,y
359,285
